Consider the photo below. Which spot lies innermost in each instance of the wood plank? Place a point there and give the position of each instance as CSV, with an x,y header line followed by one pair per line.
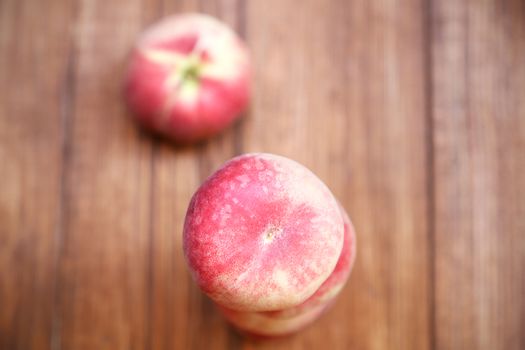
x,y
104,275
34,104
340,87
479,143
182,317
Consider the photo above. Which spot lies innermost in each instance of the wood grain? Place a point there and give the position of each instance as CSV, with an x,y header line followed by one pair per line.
x,y
33,107
479,143
412,112
103,281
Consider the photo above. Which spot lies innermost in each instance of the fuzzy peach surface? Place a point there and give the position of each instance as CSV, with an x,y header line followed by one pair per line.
x,y
262,233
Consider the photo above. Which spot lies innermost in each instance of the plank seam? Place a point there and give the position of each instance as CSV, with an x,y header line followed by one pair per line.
x,y
67,97
430,165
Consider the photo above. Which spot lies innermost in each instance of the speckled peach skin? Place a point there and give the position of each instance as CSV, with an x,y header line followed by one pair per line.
x,y
188,77
262,233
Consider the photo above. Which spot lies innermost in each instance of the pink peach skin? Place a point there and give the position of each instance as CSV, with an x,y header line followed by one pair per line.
x,y
262,233
335,282
188,77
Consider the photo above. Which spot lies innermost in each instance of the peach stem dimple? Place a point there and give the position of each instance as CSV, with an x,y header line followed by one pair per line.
x,y
270,233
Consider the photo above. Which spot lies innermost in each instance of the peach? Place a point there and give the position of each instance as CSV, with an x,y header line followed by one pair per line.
x,y
188,77
262,233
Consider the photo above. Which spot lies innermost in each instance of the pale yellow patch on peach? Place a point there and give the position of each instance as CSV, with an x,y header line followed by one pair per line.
x,y
163,57
188,91
280,278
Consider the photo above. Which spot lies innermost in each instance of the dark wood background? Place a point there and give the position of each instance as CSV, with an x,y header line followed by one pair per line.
x,y
412,111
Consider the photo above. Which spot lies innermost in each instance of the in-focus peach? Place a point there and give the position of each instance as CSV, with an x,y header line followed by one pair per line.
x,y
262,233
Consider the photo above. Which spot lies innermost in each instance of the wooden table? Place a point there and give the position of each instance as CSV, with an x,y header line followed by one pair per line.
x,y
412,111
